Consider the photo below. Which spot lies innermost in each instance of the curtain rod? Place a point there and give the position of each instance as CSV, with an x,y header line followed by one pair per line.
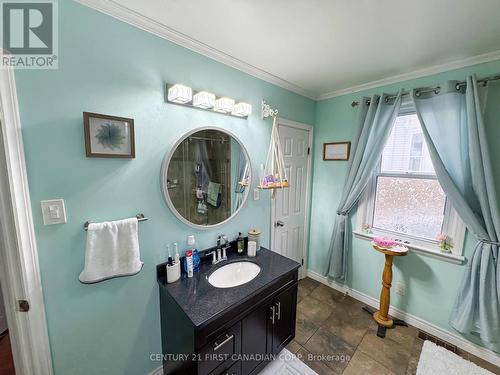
x,y
221,139
436,89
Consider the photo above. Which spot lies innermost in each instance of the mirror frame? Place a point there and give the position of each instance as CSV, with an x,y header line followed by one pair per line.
x,y
164,173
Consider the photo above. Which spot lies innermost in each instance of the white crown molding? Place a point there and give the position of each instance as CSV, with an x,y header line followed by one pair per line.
x,y
140,21
133,18
452,338
435,69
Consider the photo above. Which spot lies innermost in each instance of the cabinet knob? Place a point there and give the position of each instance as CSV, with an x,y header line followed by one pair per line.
x,y
273,312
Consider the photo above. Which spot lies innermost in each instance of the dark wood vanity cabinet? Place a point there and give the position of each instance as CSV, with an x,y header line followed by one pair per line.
x,y
268,329
240,340
283,330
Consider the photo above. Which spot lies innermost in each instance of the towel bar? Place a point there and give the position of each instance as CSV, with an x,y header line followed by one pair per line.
x,y
140,217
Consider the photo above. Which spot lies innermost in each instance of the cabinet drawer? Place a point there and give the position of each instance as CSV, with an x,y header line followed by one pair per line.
x,y
234,369
220,350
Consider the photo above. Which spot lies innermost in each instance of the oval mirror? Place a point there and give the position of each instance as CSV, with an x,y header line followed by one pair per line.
x,y
205,178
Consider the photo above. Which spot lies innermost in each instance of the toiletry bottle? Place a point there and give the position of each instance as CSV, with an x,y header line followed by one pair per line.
x,y
196,255
191,240
189,263
241,244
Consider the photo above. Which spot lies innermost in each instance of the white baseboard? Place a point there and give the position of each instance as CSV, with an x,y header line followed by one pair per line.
x,y
157,371
413,320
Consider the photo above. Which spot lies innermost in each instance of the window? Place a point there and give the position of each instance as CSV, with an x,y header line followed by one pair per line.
x,y
404,199
416,151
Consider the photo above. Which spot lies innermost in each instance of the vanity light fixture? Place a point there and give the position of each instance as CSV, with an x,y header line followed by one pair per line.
x,y
224,105
186,96
204,99
180,94
242,109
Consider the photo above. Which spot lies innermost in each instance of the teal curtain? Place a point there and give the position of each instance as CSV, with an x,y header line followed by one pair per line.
x,y
455,133
374,123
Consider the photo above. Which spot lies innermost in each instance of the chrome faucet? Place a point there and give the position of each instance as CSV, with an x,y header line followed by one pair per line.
x,y
219,254
225,247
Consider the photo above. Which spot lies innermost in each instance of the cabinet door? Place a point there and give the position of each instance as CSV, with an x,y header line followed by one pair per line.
x,y
285,306
256,338
235,369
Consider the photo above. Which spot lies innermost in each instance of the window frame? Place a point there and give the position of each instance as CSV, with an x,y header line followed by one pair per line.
x,y
453,226
415,157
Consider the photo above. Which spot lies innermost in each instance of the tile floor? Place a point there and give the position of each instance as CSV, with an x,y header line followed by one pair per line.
x,y
335,336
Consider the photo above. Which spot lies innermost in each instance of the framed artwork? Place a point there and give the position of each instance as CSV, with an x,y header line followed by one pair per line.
x,y
336,150
108,136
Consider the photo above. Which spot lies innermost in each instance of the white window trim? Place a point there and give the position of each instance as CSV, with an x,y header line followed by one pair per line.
x,y
453,225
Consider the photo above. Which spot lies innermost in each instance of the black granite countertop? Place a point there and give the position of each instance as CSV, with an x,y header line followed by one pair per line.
x,y
202,302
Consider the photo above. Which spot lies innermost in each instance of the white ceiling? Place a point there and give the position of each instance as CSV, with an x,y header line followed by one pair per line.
x,y
323,47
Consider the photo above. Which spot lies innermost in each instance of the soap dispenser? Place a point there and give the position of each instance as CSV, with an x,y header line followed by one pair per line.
x,y
241,244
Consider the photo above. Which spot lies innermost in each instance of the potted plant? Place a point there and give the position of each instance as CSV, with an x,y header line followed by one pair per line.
x,y
444,242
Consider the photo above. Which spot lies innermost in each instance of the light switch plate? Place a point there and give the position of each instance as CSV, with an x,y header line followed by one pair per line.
x,y
53,212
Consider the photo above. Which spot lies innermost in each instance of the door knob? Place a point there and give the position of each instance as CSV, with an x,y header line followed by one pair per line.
x,y
279,223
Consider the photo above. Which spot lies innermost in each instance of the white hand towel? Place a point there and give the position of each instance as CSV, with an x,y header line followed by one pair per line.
x,y
112,251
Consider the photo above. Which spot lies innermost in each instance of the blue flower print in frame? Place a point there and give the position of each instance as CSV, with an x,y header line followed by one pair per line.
x,y
108,136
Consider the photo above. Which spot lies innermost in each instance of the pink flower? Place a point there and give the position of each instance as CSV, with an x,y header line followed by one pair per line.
x,y
441,237
384,242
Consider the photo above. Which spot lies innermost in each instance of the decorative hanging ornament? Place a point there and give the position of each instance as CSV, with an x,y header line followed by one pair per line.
x,y
273,174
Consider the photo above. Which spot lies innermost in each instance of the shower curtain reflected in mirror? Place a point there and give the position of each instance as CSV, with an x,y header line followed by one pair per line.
x,y
208,177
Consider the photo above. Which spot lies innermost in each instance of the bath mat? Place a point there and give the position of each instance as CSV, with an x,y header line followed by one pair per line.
x,y
436,360
287,363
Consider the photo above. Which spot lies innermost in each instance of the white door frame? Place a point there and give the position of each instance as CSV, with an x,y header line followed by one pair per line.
x,y
310,129
20,275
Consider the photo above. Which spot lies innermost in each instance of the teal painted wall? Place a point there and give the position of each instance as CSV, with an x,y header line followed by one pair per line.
x,y
431,284
107,66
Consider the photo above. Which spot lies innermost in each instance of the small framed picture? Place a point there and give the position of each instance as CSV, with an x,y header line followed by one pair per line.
x,y
336,150
108,136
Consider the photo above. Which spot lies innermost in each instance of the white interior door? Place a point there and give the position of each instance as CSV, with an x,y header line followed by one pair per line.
x,y
290,204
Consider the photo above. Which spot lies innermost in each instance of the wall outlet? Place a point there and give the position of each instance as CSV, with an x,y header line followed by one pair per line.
x,y
400,288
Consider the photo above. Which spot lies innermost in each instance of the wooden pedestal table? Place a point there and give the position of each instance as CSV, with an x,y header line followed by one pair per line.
x,y
381,316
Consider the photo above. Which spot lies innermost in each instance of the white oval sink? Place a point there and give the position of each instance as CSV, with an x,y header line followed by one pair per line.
x,y
234,274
